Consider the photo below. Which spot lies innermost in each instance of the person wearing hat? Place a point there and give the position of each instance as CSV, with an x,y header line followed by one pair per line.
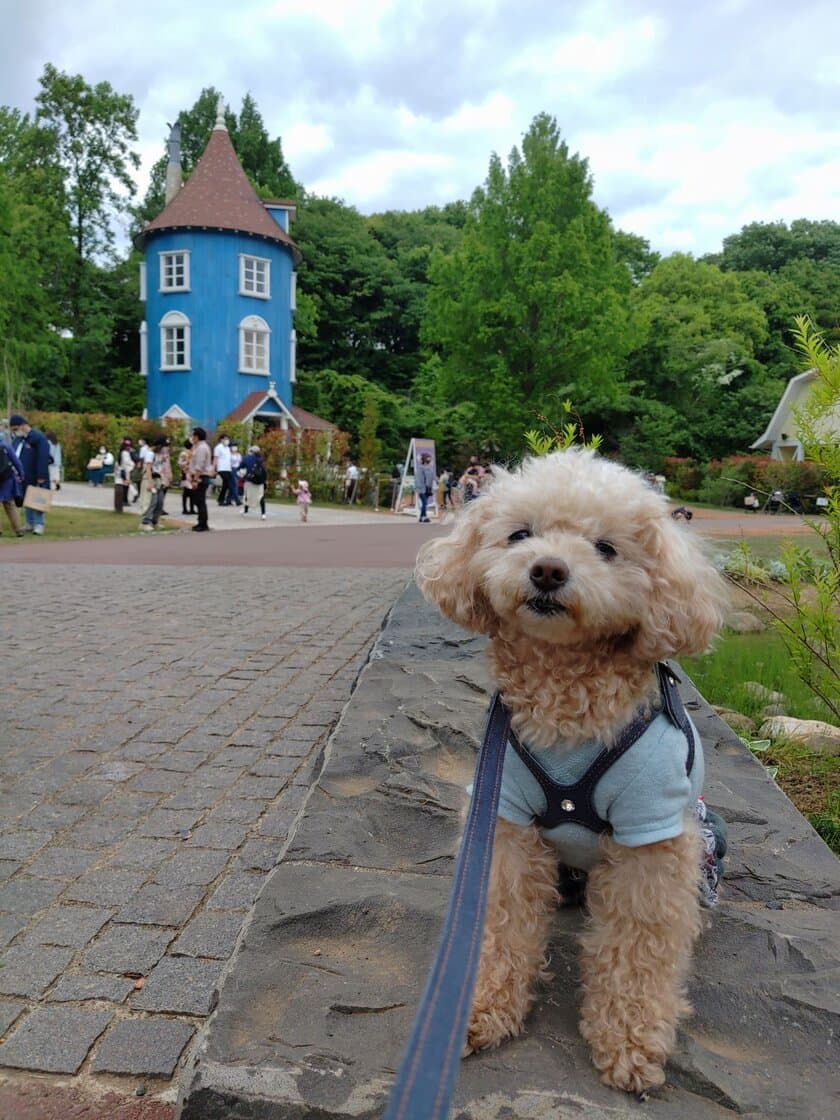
x,y
33,450
159,479
255,476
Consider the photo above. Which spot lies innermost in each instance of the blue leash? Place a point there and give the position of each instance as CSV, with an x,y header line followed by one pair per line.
x,y
426,1078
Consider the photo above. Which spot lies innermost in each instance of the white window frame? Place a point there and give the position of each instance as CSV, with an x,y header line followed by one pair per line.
x,y
175,321
164,270
293,357
260,334
244,260
144,349
293,293
143,281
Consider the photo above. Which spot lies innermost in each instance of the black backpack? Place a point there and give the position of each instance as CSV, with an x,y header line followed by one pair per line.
x,y
5,463
257,473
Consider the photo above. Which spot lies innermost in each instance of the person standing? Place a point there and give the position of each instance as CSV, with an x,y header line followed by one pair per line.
x,y
11,483
34,455
351,482
221,461
55,460
304,499
201,471
160,479
122,475
235,482
424,484
144,456
187,496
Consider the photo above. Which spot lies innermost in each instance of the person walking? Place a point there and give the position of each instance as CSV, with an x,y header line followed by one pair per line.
x,y
221,461
160,479
11,483
424,484
201,471
256,476
304,499
34,456
55,460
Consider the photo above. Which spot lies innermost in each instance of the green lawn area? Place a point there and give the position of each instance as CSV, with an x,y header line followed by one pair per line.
x,y
769,548
64,523
811,780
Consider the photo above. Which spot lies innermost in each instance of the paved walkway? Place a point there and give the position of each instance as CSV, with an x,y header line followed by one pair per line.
x,y
81,495
160,738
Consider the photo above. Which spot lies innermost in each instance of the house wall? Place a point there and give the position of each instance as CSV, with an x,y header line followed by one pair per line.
x,y
213,386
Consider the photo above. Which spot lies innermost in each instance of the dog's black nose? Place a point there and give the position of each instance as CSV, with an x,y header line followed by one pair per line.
x,y
548,573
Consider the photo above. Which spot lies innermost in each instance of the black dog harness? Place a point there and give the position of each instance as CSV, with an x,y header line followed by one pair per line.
x,y
573,804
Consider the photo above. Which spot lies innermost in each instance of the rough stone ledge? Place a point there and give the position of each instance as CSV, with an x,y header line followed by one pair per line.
x,y
318,1002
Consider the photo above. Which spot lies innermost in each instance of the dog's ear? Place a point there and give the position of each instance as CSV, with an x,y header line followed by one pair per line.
x,y
687,599
445,574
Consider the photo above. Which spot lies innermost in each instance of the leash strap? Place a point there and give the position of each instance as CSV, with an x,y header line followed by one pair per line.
x,y
426,1078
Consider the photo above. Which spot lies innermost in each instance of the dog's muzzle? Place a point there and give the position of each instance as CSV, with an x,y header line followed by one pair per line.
x,y
548,574
545,605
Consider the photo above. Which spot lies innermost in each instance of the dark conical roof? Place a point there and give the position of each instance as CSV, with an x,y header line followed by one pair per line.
x,y
218,195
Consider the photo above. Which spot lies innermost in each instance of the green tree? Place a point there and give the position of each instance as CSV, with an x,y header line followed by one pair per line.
x,y
343,399
345,273
409,240
533,307
370,446
35,257
87,133
700,331
635,253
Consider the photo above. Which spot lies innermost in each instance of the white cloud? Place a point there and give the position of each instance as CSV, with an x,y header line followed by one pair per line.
x,y
695,120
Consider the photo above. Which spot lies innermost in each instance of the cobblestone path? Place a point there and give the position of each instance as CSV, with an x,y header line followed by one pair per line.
x,y
160,731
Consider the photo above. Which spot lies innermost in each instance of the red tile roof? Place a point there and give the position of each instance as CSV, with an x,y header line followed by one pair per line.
x,y
244,410
218,195
308,421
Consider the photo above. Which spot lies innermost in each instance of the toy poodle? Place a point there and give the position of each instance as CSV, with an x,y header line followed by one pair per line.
x,y
573,568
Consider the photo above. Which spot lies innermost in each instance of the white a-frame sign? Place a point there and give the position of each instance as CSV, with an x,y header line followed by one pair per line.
x,y
416,448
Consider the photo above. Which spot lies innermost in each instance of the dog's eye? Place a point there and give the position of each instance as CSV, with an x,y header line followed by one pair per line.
x,y
606,550
519,535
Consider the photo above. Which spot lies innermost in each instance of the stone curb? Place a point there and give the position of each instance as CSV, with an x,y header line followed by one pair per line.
x,y
320,998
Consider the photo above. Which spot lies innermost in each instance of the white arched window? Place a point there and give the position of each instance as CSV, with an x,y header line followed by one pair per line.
x,y
254,335
174,341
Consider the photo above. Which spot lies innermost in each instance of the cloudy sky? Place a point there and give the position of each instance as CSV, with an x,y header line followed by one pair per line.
x,y
697,116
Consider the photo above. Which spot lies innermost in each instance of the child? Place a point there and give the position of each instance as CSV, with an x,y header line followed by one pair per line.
x,y
304,498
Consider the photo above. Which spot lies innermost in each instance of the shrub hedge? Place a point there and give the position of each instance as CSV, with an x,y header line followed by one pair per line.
x,y
725,482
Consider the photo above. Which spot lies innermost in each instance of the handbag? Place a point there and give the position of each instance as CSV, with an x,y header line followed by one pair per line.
x,y
94,465
37,498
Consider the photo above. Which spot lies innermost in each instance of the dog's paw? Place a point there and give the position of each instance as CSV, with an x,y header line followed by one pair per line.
x,y
487,1030
630,1069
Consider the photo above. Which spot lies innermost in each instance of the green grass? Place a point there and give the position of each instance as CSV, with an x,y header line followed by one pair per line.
x,y
64,523
810,779
738,658
769,548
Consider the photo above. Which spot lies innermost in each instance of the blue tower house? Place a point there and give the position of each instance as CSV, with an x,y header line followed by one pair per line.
x,y
218,282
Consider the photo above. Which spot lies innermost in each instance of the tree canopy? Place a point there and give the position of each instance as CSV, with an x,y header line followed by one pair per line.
x,y
467,323
534,305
